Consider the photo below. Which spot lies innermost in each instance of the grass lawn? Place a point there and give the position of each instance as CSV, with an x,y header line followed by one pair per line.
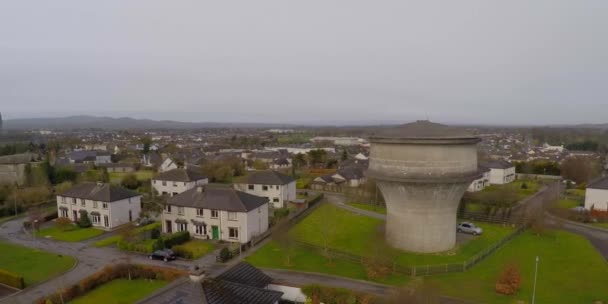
x,y
73,234
120,291
601,225
142,175
568,203
356,234
570,271
116,238
368,207
533,187
34,265
302,182
198,248
272,255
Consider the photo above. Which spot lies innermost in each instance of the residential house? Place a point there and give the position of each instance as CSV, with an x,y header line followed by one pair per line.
x,y
118,167
481,182
277,187
151,159
108,206
352,176
178,180
596,195
501,172
216,212
90,157
242,283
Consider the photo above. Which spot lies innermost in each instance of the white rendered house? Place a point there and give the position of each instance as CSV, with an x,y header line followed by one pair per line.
x,y
596,195
176,181
107,206
277,187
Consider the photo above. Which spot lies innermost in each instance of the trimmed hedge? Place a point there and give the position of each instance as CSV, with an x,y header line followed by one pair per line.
x,y
11,279
177,238
110,273
142,246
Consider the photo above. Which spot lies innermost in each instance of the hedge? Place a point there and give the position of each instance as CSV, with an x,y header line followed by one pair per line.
x,y
11,279
177,238
141,246
110,273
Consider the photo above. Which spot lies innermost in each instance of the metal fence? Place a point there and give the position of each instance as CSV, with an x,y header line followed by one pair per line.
x,y
415,270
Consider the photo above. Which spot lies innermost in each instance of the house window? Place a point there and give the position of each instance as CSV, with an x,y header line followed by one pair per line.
x,y
214,214
174,184
64,213
277,187
73,201
276,199
95,204
154,182
63,200
164,183
250,187
182,227
168,208
104,205
83,203
185,184
96,219
265,188
232,216
199,212
200,230
180,210
233,233
129,201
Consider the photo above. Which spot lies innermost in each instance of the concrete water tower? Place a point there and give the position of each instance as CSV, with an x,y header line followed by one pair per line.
x,y
422,169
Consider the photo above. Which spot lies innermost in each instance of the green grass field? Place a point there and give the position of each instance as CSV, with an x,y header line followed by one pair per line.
x,y
142,175
368,207
116,238
34,265
570,271
359,235
568,203
198,248
73,234
600,225
120,291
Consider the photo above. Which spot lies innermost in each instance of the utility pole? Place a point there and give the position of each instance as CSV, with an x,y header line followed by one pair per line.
x,y
535,275
15,197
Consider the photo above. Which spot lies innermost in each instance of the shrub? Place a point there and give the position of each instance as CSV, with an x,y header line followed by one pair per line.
x,y
509,281
11,279
130,181
84,221
225,254
177,238
63,223
182,251
143,246
155,233
524,186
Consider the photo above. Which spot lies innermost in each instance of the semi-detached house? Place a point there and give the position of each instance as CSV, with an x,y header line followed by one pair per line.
x,y
216,212
277,187
107,206
176,181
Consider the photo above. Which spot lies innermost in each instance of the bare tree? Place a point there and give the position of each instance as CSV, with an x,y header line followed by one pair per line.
x,y
282,237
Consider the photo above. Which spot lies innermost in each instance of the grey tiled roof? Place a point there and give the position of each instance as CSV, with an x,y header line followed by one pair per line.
x,y
268,177
600,183
223,292
244,273
219,198
103,192
180,175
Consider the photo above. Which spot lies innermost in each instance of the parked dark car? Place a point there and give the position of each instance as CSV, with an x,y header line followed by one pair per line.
x,y
165,255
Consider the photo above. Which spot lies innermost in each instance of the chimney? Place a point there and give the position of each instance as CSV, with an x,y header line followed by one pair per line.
x,y
197,274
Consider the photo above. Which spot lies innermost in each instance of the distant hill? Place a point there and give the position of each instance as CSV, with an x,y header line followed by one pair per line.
x,y
123,123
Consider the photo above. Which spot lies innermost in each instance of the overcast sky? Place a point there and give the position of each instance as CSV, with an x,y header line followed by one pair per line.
x,y
496,62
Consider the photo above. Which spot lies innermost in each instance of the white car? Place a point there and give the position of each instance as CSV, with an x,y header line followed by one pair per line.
x,y
467,227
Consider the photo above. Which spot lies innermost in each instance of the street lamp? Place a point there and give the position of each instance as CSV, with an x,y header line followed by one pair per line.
x,y
535,274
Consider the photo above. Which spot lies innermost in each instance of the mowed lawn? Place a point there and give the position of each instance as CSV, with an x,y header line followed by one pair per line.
x,y
358,234
113,240
73,234
570,271
34,265
142,175
120,291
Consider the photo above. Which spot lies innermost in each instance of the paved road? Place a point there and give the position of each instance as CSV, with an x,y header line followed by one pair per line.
x,y
90,259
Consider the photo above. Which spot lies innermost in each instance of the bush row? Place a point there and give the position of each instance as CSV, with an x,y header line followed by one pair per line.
x,y
110,273
177,238
47,217
11,279
148,246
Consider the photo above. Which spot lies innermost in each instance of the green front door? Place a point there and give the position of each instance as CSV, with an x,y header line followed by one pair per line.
x,y
215,231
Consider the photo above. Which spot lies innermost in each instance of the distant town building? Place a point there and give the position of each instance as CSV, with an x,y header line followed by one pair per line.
x,y
501,172
482,182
